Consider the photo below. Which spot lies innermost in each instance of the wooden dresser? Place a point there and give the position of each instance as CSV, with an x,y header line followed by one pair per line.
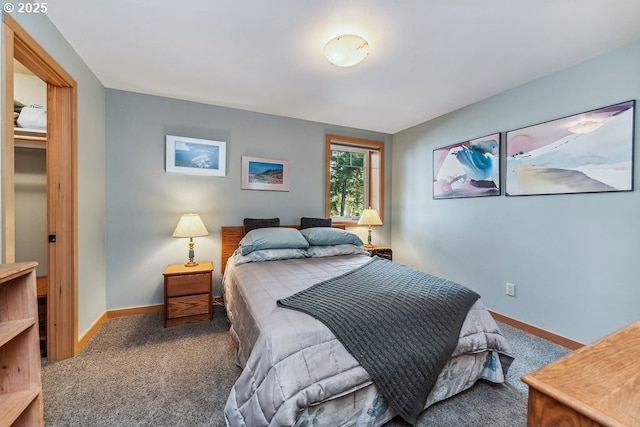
x,y
596,385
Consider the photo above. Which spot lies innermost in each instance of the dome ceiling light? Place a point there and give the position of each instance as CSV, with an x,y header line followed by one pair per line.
x,y
346,50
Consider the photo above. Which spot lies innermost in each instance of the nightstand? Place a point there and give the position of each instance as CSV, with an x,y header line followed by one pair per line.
x,y
381,251
187,293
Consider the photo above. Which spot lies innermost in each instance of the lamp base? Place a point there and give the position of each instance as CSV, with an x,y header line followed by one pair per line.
x,y
192,254
368,245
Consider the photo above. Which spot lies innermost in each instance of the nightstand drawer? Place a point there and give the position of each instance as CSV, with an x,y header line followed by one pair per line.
x,y
188,306
188,284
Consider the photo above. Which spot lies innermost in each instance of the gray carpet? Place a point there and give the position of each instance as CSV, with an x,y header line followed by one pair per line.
x,y
134,372
486,404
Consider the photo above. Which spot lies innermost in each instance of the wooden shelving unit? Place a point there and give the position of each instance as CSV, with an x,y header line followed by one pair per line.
x,y
20,382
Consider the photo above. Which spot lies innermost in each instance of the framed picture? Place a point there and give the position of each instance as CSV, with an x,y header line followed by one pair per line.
x,y
265,174
467,169
193,156
590,152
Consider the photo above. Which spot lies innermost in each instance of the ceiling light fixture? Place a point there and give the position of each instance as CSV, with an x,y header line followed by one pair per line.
x,y
346,50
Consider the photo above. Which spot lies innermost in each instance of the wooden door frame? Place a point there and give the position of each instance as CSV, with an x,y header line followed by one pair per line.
x,y
62,208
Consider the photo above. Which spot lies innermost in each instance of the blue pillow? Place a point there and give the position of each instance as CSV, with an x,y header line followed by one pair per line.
x,y
326,236
272,238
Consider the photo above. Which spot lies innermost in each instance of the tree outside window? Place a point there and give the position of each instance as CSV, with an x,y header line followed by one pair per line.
x,y
347,185
354,177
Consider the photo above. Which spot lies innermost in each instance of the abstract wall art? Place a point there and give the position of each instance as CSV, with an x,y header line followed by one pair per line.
x,y
467,169
589,152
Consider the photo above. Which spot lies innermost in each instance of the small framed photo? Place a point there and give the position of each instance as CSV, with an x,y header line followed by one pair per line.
x,y
265,174
194,156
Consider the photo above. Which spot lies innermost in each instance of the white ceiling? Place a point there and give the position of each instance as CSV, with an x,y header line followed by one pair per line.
x,y
427,57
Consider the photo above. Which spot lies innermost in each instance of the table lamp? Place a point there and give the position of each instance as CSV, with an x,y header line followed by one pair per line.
x,y
190,225
369,217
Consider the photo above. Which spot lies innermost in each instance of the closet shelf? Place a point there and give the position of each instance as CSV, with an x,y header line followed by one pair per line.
x,y
29,138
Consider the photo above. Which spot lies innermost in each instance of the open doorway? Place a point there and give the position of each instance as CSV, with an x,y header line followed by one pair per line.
x,y
61,182
30,168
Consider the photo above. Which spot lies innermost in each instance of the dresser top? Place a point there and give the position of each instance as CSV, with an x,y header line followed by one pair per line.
x,y
600,380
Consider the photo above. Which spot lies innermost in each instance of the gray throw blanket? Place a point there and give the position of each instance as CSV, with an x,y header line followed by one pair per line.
x,y
401,324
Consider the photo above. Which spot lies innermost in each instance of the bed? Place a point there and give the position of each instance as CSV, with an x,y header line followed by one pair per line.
x,y
295,371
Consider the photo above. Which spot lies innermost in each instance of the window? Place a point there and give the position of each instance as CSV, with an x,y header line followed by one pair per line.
x,y
354,177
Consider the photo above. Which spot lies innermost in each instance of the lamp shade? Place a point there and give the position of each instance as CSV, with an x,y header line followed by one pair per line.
x,y
346,50
190,225
370,217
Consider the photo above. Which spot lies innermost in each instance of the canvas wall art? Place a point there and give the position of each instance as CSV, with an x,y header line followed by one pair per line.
x,y
585,153
194,156
467,169
264,174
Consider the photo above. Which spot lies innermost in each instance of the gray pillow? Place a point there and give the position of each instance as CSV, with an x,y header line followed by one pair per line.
x,y
253,223
335,250
306,222
269,255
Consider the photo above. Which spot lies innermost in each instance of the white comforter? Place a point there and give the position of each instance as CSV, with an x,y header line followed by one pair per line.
x,y
292,362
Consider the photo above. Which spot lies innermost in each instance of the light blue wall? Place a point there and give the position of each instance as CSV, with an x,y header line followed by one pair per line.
x,y
573,258
91,167
144,203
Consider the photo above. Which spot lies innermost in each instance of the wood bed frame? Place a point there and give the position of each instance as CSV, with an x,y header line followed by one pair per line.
x,y
231,236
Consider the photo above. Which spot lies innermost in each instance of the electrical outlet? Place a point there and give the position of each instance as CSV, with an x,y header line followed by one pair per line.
x,y
510,290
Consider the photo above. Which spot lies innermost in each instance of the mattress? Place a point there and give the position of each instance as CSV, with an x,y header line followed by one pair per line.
x,y
295,371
